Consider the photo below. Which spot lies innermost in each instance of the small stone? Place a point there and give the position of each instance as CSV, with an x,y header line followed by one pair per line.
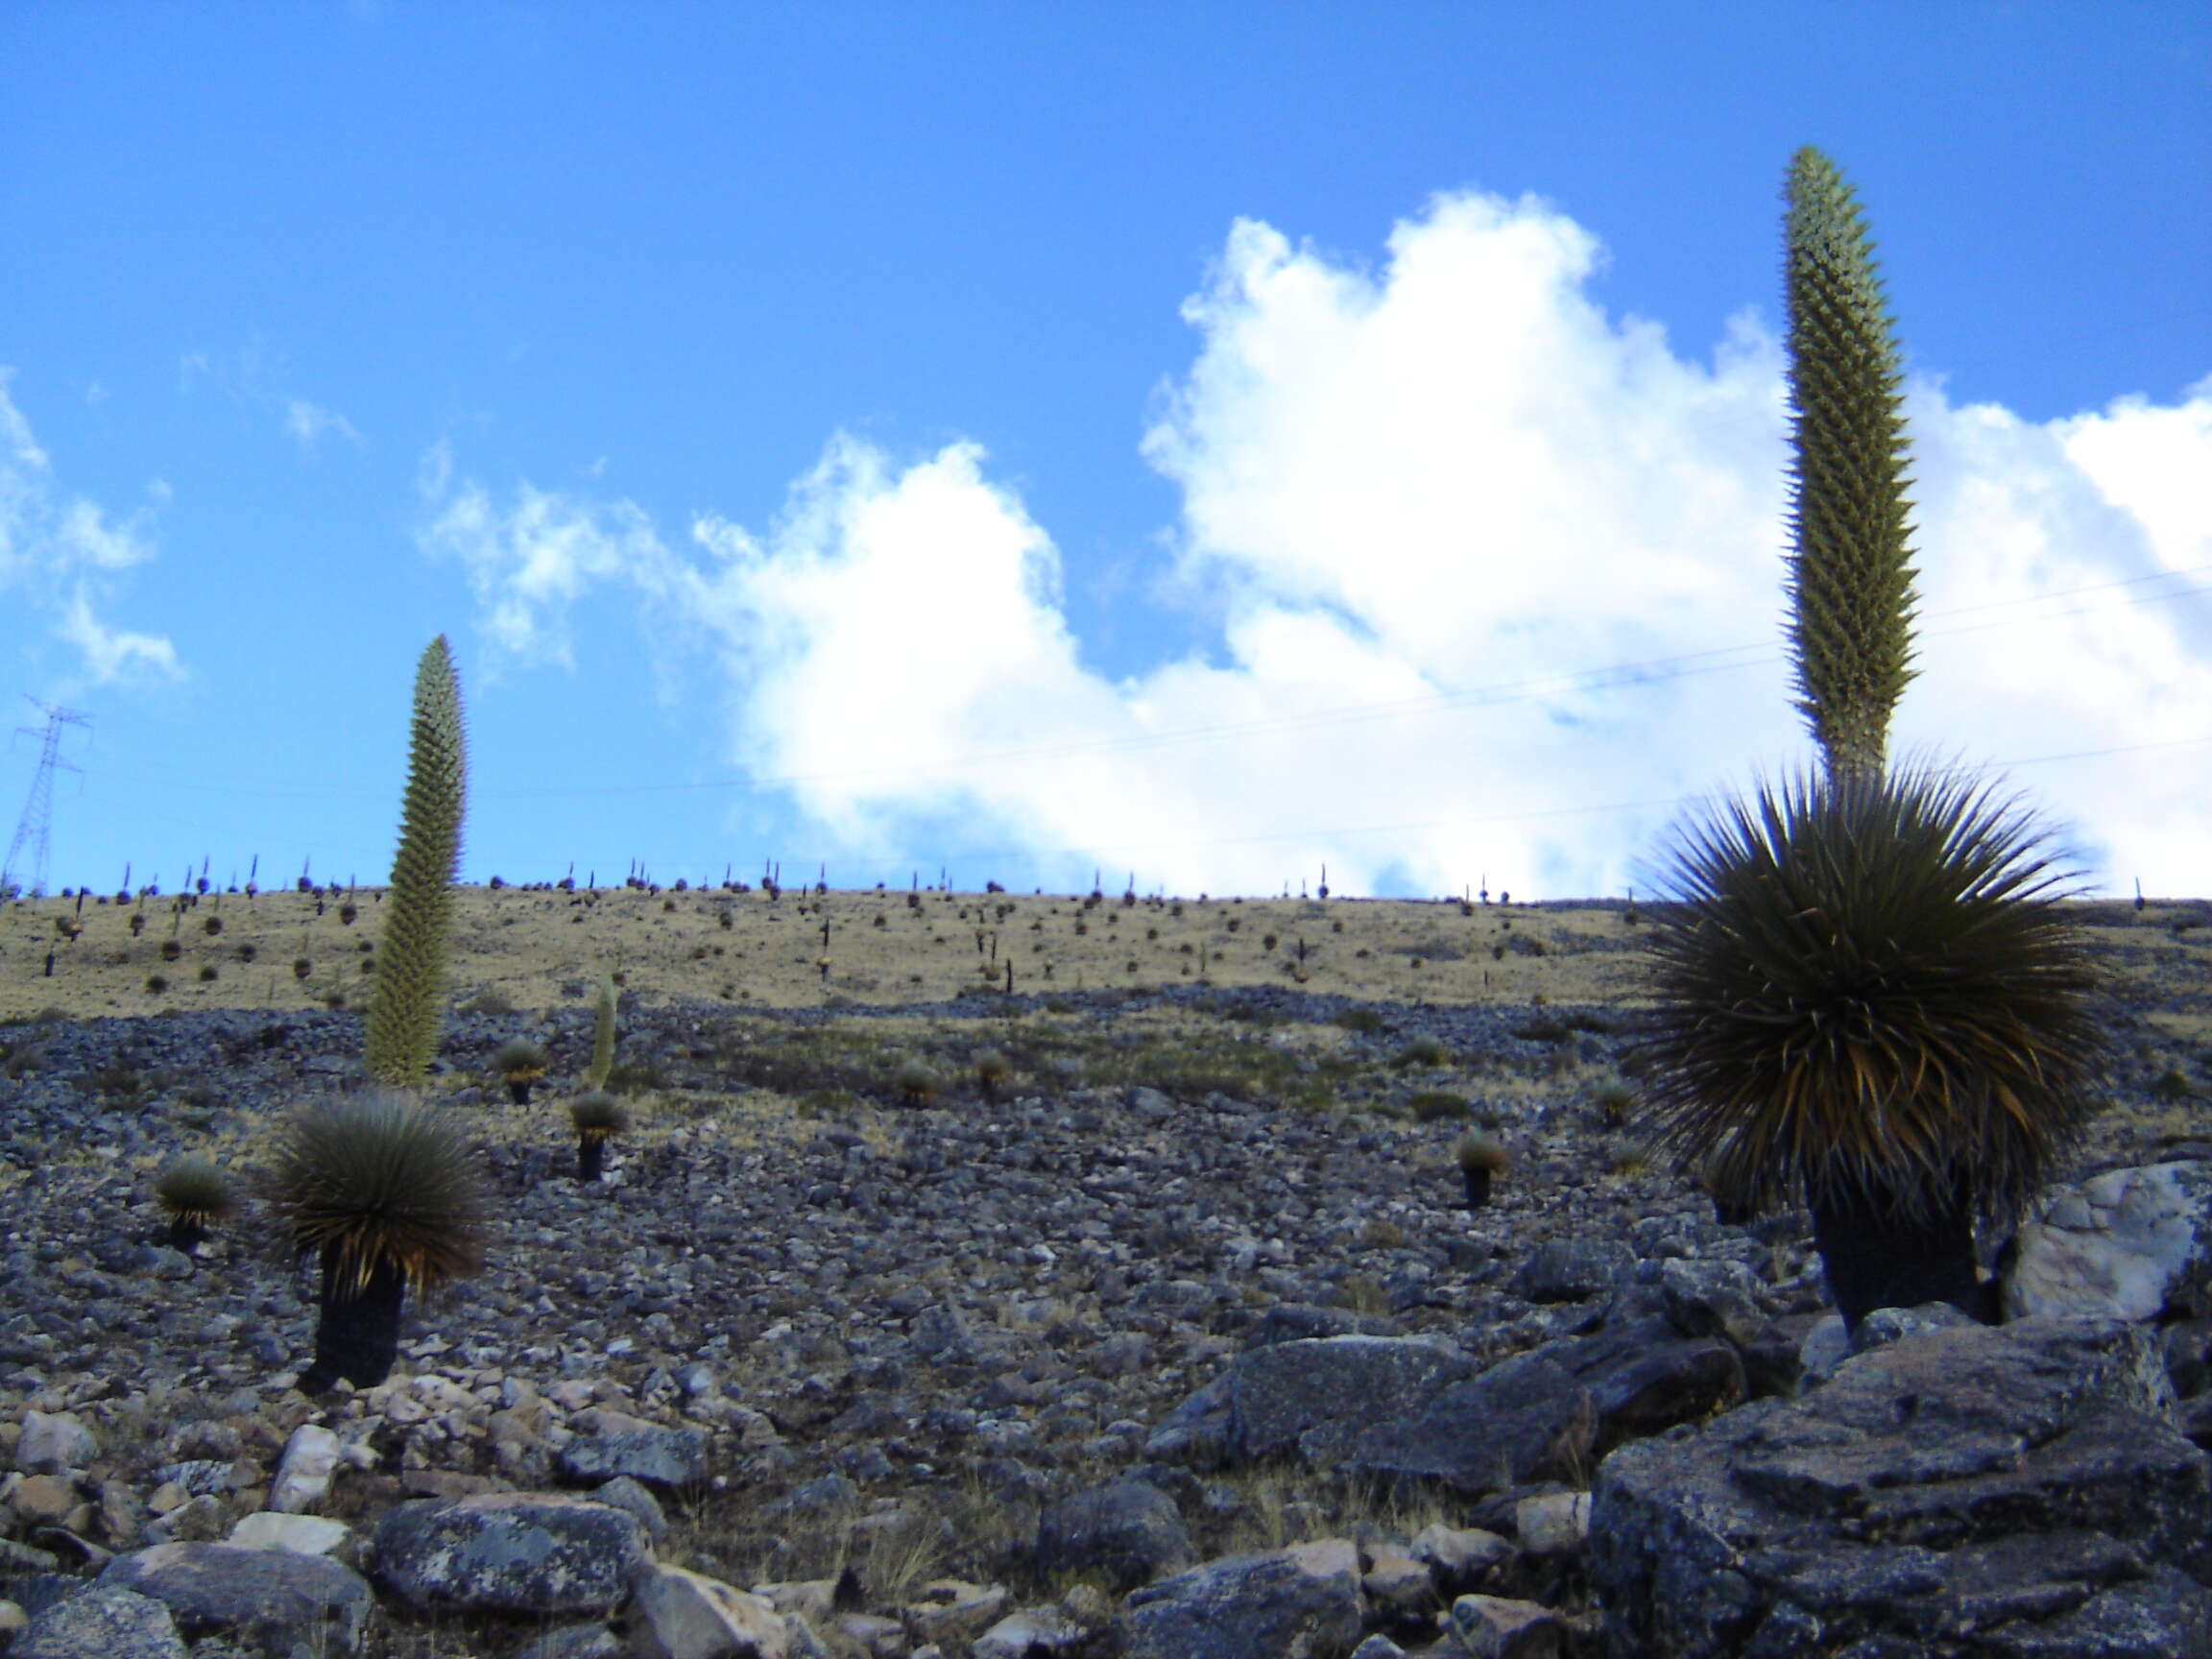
x,y
1029,1633
1554,1524
1460,1556
168,1496
304,1474
54,1443
952,1611
46,1499
1378,1646
296,1534
624,1492
103,1619
1492,1627
619,1444
876,1637
203,1520
680,1615
1398,1583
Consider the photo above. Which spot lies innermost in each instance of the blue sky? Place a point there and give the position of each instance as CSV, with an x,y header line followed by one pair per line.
x,y
1197,442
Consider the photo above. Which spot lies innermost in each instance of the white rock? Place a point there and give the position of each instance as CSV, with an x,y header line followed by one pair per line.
x,y
680,1615
294,1534
1029,1633
2114,1246
303,1474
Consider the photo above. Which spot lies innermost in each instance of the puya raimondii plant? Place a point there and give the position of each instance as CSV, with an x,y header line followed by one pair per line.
x,y
1867,991
1850,563
597,1118
196,1194
1864,990
518,1064
384,1191
406,1007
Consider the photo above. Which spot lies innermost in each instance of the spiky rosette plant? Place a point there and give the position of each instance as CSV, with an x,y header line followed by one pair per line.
x,y
1480,1158
992,1070
403,1012
599,1118
518,1063
195,1194
384,1192
1865,991
1850,564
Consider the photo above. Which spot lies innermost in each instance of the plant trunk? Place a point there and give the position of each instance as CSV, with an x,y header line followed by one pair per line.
x,y
185,1234
1877,1256
518,1092
1477,1187
591,1159
357,1338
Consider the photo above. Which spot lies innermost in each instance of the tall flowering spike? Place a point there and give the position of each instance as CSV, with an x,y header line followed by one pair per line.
x,y
404,1011
1850,572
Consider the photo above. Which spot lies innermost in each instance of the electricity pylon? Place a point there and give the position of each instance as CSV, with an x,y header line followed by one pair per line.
x,y
36,827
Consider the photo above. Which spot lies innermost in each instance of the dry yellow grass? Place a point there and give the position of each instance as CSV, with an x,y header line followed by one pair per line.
x,y
535,947
543,948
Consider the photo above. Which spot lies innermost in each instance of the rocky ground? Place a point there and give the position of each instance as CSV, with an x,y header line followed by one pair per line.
x,y
907,1326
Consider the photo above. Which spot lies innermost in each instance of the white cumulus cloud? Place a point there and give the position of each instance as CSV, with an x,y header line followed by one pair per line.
x,y
61,557
1494,579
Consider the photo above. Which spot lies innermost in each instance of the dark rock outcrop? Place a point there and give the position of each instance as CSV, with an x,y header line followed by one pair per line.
x,y
1960,1491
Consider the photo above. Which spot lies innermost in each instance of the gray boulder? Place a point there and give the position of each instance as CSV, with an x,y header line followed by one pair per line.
x,y
1573,1270
273,1598
2127,1245
1972,1490
671,1459
1552,1412
1309,1398
1718,1298
509,1552
1130,1531
105,1621
1301,1603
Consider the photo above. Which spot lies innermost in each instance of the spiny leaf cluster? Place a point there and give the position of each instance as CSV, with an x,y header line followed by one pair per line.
x,y
1869,983
379,1180
195,1190
1851,570
403,1012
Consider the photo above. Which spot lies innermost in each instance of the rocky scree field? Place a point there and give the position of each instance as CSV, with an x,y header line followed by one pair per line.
x,y
906,1321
